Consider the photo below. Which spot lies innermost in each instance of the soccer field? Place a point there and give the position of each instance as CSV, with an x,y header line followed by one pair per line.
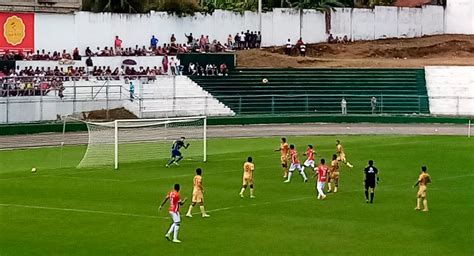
x,y
71,211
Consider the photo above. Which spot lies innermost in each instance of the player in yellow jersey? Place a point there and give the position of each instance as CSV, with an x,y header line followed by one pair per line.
x,y
341,156
333,174
422,182
248,177
198,195
285,154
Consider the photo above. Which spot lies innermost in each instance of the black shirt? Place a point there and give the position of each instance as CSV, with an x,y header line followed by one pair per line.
x,y
370,172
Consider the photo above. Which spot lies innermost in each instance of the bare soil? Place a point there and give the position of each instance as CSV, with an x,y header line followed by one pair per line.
x,y
413,52
116,113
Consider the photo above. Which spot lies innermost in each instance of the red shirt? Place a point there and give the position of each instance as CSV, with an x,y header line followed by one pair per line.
x,y
310,154
118,42
294,156
174,201
322,171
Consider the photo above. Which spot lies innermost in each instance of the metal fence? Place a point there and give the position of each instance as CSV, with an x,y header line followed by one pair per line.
x,y
43,104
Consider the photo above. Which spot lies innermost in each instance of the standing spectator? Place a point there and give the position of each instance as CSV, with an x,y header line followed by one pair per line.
x,y
132,91
259,40
89,65
117,44
190,38
301,47
173,66
153,42
229,41
237,41
303,50
373,104
242,40
344,106
288,47
172,39
202,43
165,63
247,40
179,68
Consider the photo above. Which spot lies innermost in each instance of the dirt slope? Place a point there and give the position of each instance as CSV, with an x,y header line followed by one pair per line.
x,y
414,52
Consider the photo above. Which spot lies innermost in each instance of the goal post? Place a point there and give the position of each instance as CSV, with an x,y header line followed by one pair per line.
x,y
136,140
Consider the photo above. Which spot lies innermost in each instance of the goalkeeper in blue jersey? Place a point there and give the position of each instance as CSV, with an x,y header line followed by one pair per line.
x,y
175,153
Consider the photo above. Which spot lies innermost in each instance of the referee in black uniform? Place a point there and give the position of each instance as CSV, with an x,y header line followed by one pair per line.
x,y
371,175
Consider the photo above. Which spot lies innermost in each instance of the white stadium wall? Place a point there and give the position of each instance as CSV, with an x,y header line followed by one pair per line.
x,y
450,90
82,29
460,17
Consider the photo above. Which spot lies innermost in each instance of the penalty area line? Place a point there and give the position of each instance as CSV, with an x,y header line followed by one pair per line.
x,y
82,211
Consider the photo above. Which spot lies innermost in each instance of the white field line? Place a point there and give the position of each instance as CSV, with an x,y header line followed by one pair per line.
x,y
214,210
82,211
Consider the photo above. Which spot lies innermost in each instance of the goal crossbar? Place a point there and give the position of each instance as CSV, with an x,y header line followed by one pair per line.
x,y
134,140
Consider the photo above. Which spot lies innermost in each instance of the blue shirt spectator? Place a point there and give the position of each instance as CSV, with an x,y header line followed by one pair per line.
x,y
153,42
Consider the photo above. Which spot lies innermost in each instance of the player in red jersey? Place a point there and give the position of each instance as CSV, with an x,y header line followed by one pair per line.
x,y
310,157
321,172
295,164
175,203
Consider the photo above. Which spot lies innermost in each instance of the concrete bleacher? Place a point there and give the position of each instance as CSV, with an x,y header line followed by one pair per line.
x,y
398,91
451,90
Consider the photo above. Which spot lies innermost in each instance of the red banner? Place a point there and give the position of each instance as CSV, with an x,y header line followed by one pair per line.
x,y
17,31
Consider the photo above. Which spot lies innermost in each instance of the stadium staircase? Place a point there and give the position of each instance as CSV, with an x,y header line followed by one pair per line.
x,y
398,91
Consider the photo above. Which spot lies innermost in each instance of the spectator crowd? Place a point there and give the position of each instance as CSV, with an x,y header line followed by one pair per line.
x,y
203,44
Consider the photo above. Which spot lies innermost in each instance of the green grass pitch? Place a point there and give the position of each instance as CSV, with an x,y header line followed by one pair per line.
x,y
71,211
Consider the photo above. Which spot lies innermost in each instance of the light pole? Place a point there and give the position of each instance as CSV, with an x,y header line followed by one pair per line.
x,y
260,16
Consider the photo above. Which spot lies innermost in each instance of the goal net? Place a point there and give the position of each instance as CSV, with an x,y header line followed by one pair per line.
x,y
136,140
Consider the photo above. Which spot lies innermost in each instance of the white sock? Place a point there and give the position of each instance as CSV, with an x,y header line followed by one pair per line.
x,y
176,229
251,192
201,207
190,209
289,175
303,174
171,229
242,191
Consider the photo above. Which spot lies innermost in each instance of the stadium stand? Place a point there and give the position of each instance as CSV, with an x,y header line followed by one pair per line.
x,y
280,91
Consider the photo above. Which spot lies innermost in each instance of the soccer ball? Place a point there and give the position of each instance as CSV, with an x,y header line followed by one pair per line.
x,y
33,169
264,80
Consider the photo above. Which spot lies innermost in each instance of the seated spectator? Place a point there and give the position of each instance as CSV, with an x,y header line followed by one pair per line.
x,y
37,56
66,55
192,69
331,39
346,40
88,52
223,69
75,54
